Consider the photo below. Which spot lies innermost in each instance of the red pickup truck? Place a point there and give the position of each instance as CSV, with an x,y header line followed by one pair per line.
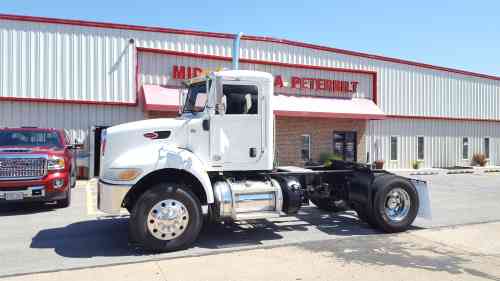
x,y
36,165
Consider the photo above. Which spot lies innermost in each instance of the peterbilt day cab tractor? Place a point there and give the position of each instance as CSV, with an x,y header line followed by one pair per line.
x,y
215,163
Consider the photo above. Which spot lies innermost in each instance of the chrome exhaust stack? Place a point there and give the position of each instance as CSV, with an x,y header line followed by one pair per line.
x,y
236,51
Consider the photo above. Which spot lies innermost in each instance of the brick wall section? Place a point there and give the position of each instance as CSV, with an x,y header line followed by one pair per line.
x,y
289,140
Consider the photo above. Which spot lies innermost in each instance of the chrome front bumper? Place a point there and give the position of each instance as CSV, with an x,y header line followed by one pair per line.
x,y
110,197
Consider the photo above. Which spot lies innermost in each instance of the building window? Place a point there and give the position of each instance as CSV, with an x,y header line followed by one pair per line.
x,y
465,148
487,147
420,148
305,151
394,148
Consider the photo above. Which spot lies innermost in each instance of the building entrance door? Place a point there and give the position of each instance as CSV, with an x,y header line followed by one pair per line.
x,y
344,145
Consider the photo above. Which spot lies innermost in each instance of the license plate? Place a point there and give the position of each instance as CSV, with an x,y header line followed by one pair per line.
x,y
14,196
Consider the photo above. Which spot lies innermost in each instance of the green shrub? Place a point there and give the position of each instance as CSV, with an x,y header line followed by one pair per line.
x,y
416,164
328,157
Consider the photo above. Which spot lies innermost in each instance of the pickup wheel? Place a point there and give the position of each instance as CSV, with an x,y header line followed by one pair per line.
x,y
395,205
64,203
329,205
72,177
166,217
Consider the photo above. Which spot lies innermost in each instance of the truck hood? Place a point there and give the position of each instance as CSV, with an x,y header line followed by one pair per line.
x,y
129,137
20,150
147,125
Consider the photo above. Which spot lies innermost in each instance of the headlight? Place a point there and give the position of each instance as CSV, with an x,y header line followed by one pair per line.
x,y
55,163
126,174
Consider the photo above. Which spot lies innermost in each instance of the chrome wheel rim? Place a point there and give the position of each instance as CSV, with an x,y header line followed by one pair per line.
x,y
397,204
168,219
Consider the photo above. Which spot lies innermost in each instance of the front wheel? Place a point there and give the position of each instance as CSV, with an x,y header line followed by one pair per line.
x,y
166,217
395,206
64,203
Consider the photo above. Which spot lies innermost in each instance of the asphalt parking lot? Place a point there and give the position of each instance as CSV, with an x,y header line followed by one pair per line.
x,y
34,238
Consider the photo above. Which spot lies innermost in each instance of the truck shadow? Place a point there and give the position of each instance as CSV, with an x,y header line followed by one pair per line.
x,y
17,209
108,237
400,252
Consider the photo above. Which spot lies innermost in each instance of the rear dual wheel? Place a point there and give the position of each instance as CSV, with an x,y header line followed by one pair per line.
x,y
395,205
166,217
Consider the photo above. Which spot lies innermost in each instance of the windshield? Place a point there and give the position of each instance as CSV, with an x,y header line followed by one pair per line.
x,y
30,138
196,97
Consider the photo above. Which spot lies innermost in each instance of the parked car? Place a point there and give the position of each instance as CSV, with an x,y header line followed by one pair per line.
x,y
36,165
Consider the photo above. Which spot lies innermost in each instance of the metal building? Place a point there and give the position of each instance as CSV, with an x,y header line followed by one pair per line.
x,y
84,76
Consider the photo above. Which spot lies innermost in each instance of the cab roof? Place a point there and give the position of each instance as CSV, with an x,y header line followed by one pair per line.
x,y
233,74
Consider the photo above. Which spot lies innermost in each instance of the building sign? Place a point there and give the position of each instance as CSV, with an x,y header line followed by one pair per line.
x,y
181,72
170,68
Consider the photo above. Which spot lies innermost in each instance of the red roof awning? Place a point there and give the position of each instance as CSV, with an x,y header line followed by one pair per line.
x,y
355,108
158,98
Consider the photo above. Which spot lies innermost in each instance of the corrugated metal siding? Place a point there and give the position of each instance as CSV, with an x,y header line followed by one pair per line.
x,y
442,141
65,62
61,61
403,89
77,118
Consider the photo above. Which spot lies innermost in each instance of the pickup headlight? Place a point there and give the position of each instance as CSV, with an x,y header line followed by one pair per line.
x,y
55,163
125,174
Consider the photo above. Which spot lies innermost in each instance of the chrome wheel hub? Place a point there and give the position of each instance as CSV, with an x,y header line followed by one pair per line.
x,y
168,219
397,204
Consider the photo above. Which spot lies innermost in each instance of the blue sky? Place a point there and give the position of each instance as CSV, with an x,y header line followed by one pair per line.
x,y
460,34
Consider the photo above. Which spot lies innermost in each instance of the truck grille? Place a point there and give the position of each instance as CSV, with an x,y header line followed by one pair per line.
x,y
22,168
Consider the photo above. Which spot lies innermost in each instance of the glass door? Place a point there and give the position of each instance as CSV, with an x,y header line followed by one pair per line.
x,y
344,145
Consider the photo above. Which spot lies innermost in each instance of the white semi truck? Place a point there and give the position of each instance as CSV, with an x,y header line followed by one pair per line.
x,y
216,162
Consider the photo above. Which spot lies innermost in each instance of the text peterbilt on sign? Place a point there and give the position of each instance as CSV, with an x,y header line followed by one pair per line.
x,y
181,72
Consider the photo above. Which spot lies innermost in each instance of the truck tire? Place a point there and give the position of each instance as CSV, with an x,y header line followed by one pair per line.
x,y
166,217
329,205
64,203
365,216
72,177
395,205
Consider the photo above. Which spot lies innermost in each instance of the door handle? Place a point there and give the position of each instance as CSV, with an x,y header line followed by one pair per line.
x,y
252,152
206,125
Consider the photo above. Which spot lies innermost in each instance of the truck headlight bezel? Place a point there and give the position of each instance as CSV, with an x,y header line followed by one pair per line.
x,y
122,174
55,163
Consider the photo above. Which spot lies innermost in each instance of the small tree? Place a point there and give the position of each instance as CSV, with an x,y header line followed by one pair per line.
x,y
479,159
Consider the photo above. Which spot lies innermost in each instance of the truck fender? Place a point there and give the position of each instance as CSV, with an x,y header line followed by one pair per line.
x,y
182,159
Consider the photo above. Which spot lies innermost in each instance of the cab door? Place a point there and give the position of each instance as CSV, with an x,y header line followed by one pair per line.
x,y
236,127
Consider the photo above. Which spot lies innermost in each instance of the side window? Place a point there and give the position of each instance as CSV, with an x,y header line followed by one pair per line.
x,y
240,99
487,147
305,150
420,148
465,148
394,148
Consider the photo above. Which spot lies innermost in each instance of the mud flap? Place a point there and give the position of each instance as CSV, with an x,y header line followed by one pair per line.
x,y
424,210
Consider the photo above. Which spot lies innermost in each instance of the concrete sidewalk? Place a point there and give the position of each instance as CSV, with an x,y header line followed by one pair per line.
x,y
470,252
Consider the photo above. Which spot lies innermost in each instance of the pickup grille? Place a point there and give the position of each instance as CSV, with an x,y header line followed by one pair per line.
x,y
22,168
